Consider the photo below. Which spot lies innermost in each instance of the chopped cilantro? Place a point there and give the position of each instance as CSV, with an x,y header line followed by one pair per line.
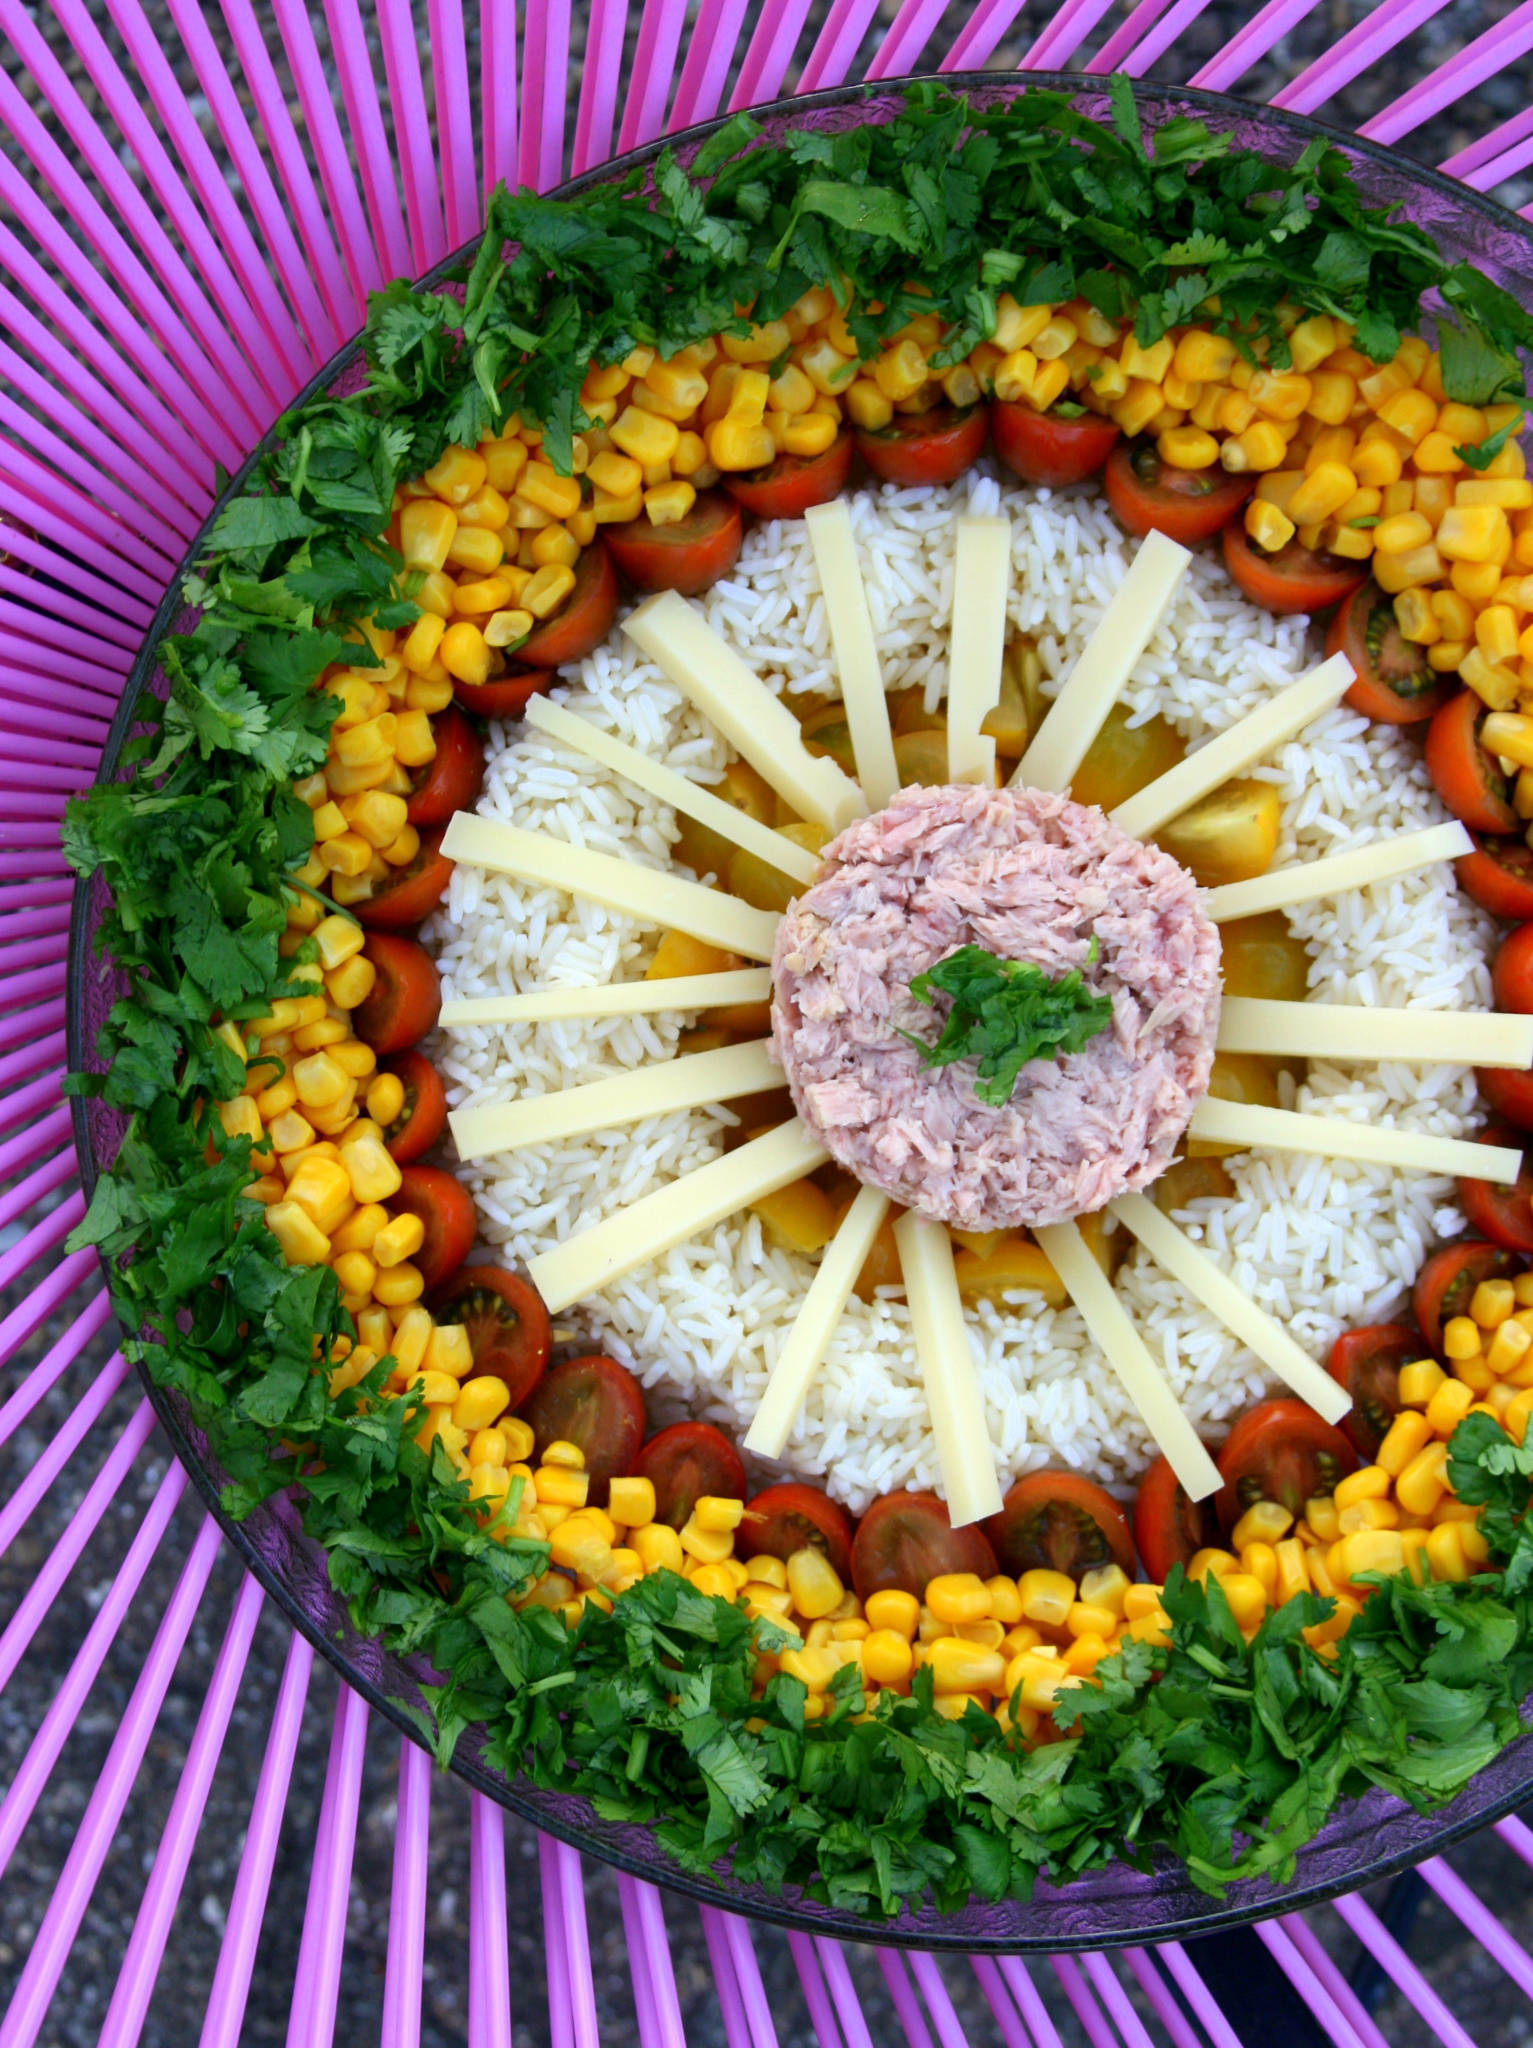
x,y
1005,1013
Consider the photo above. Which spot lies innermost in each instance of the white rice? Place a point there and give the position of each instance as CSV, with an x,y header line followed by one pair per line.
x,y
1318,1243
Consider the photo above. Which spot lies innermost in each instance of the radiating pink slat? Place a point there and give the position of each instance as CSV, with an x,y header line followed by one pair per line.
x,y
1517,1838
1250,43
85,686
838,1982
1473,162
223,2022
497,89
407,1902
1115,51
938,2001
811,1983
710,52
1508,164
1013,2033
1197,1994
130,590
129,2008
737,2031
1153,46
51,916
599,76
901,48
42,1181
32,861
649,1964
1098,2028
1300,1962
1377,33
1502,1947
48,1231
902,1993
127,631
545,68
1162,1999
463,211
836,46
51,514
1065,33
15,687
25,1102
88,1852
413,148
317,1981
975,43
1313,1952
375,158
44,1296
62,1445
660,28
55,750
769,53
566,1943
489,1958
1381,1945
1500,48
47,1132
366,267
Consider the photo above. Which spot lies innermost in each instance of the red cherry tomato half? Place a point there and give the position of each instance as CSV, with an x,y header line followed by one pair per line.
x,y
596,1404
506,1321
1395,682
1367,1363
585,618
405,997
1498,875
1294,579
505,696
1511,972
1446,1283
1188,505
423,1117
782,1519
906,1539
685,1462
1168,1527
1282,1451
410,893
1502,1215
1057,1521
786,488
689,555
1468,780
1509,1092
1043,448
933,447
450,780
445,1208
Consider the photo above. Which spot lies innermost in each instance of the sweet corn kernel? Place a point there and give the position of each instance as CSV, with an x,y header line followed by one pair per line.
x,y
1046,1596
1406,1436
1423,1480
1292,1570
1419,1381
560,1487
957,1666
1261,446
303,1242
1267,526
1448,1407
1508,1348
714,1512
1005,1600
814,1584
1187,448
768,1571
1266,1521
1370,1482
480,1401
895,1610
631,1501
1461,1338
1474,533
709,1546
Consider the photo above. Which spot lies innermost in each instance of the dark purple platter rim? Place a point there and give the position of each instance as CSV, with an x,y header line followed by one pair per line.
x,y
1110,1908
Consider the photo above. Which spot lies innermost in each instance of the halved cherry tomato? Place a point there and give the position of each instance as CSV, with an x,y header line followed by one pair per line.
x,y
1367,1363
585,618
1468,780
504,696
685,1462
1044,448
1446,1283
423,1118
1282,1451
1294,579
906,1539
1498,875
933,447
1168,1527
1059,1522
1509,1092
405,998
410,893
446,1209
450,780
1503,1215
689,555
596,1404
506,1321
1511,972
1395,682
782,1519
1188,505
786,488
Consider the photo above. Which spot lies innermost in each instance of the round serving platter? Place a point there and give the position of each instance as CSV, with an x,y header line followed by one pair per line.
x,y
1368,1839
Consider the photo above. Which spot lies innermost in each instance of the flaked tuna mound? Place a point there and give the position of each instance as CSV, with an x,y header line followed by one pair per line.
x,y
1028,877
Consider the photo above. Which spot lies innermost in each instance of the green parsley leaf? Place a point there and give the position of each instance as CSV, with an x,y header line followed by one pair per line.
x,y
1005,1013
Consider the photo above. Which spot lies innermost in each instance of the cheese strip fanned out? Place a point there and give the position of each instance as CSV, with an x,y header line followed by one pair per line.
x,y
977,642
815,1323
683,1208
677,790
1125,1351
676,636
1259,733
1354,1031
1171,1247
612,999
653,897
1401,853
1107,660
851,633
957,1410
655,1090
1250,1124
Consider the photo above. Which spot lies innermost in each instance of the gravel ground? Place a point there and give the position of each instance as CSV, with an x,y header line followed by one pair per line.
x,y
1453,1964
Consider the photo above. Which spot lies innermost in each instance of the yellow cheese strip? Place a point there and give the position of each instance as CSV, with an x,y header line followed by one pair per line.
x,y
611,999
677,790
851,633
1107,660
1400,853
1171,1247
1259,733
653,897
815,1323
1125,1351
706,669
654,1090
683,1208
981,574
964,1456
1250,1124
1354,1031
